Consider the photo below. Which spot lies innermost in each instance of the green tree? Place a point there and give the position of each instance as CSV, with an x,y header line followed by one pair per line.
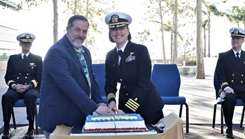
x,y
185,49
9,4
144,36
207,27
92,9
155,7
235,15
36,3
169,14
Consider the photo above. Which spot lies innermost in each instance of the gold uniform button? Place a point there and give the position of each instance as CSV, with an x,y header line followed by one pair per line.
x,y
232,81
233,74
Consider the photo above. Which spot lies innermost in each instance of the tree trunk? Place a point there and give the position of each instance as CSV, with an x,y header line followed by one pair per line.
x,y
209,34
55,26
175,56
199,50
172,47
75,7
162,32
87,9
204,39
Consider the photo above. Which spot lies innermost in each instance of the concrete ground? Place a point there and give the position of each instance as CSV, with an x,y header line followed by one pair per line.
x,y
200,97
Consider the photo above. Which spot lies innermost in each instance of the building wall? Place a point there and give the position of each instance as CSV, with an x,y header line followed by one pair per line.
x,y
8,31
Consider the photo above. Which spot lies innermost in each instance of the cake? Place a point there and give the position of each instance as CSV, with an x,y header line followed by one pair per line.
x,y
114,123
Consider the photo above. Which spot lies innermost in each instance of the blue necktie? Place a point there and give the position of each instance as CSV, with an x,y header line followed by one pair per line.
x,y
85,67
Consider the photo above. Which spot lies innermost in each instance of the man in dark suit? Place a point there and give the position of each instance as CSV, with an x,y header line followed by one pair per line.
x,y
69,90
23,76
230,72
130,65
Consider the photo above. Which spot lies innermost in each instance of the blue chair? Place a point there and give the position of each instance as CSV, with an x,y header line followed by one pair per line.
x,y
21,103
239,102
166,78
99,72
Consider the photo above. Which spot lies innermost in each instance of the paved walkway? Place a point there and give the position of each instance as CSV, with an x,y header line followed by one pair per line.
x,y
200,97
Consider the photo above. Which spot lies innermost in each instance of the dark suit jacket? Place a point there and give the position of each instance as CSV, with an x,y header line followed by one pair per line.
x,y
28,71
137,92
231,72
65,90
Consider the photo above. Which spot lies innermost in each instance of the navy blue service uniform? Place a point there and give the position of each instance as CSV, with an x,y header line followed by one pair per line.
x,y
137,93
22,70
230,72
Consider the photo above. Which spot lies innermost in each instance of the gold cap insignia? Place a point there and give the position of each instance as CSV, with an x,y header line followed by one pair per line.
x,y
28,36
236,31
114,18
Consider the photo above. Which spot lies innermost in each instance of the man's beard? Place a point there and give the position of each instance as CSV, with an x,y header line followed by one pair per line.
x,y
76,44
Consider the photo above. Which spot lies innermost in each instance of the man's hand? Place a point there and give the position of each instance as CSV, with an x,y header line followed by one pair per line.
x,y
103,110
18,88
21,88
102,104
229,90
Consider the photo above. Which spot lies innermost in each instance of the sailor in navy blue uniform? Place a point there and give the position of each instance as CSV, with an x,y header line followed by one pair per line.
x,y
230,72
23,76
130,65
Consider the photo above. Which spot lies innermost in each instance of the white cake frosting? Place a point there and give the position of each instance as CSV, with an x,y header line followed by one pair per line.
x,y
114,123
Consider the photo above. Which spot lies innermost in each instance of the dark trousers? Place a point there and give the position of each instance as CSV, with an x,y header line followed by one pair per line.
x,y
229,105
11,96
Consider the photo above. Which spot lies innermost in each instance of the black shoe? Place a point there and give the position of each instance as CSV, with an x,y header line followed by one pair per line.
x,y
29,134
229,133
6,134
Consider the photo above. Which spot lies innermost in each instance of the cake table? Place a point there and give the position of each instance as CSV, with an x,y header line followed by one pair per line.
x,y
173,130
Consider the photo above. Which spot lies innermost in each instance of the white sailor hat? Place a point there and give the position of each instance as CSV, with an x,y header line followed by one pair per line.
x,y
25,37
118,19
237,32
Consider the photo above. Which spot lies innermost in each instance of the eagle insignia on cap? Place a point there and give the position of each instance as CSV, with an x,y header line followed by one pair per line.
x,y
28,36
114,18
236,31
